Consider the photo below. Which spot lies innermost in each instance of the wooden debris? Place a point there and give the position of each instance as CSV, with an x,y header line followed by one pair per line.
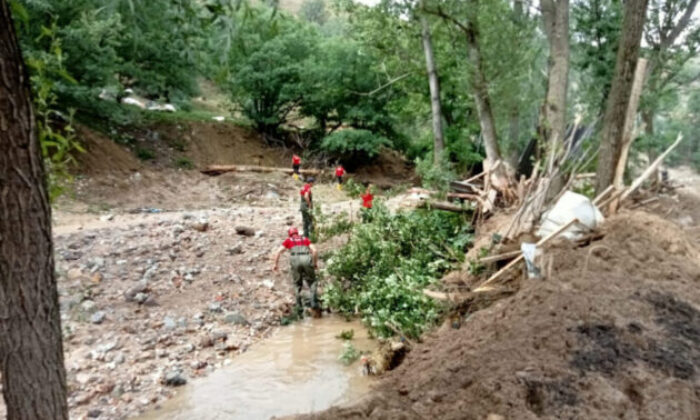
x,y
650,170
541,242
438,205
603,194
220,169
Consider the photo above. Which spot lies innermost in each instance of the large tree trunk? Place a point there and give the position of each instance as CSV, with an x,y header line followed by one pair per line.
x,y
31,352
618,101
439,141
481,93
555,15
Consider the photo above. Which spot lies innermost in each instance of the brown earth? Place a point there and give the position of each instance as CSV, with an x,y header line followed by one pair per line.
x,y
613,332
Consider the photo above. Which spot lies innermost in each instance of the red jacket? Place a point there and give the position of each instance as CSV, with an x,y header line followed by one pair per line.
x,y
367,201
296,160
339,171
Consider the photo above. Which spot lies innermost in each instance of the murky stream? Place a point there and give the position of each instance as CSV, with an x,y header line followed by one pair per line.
x,y
294,371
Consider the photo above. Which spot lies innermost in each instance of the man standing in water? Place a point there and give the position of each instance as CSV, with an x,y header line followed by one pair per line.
x,y
307,207
303,262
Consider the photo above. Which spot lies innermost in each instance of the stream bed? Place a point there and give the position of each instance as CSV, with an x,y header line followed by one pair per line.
x,y
296,370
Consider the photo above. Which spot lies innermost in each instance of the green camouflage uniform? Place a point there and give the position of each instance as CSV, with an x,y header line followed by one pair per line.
x,y
302,268
306,217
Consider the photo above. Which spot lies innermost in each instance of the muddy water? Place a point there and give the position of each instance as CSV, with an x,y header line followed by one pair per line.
x,y
294,371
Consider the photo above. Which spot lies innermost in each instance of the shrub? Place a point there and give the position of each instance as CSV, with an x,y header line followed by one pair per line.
x,y
184,163
145,154
386,264
354,144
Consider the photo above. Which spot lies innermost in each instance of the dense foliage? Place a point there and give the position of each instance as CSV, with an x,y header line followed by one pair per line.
x,y
342,65
381,273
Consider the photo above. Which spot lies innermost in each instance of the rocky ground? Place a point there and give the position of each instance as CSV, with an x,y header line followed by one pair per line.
x,y
152,296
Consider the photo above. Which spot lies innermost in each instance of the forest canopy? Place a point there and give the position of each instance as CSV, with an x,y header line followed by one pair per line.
x,y
504,77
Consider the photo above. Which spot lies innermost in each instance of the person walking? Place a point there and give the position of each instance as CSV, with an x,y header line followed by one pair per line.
x,y
306,207
303,262
296,164
339,172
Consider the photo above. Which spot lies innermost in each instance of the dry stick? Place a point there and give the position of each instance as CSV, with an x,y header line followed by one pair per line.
x,y
474,178
541,242
603,194
610,199
637,182
499,257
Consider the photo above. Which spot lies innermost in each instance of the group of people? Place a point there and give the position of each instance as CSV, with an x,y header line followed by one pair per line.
x,y
303,258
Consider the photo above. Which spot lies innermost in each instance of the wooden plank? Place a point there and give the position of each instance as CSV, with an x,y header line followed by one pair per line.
x,y
220,169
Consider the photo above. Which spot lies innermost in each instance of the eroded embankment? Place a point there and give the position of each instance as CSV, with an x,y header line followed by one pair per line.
x,y
613,332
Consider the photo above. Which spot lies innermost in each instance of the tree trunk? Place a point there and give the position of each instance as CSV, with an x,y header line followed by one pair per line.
x,y
618,101
439,141
555,15
481,93
31,352
514,117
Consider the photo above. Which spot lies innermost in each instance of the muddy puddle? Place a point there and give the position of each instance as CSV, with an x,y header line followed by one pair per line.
x,y
294,371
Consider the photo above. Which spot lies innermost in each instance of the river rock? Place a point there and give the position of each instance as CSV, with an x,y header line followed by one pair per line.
x,y
173,378
98,317
201,225
88,306
245,231
140,288
140,298
235,249
236,318
169,323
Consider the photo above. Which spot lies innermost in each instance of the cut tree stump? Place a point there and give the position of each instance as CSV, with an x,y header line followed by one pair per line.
x,y
220,169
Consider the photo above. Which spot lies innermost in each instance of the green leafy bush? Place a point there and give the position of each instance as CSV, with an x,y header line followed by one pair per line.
x,y
433,176
354,144
386,264
145,154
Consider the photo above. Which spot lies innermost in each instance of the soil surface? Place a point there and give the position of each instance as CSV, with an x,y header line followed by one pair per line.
x,y
612,332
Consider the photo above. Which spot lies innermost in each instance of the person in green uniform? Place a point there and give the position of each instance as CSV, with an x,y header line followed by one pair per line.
x,y
307,207
303,262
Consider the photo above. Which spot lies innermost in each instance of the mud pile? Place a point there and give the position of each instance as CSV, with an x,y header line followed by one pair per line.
x,y
613,332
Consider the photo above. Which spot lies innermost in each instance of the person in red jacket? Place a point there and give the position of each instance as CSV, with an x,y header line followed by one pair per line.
x,y
303,262
296,163
367,199
339,172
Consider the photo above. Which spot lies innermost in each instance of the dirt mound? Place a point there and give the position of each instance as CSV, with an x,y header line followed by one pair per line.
x,y
102,155
388,169
197,144
613,332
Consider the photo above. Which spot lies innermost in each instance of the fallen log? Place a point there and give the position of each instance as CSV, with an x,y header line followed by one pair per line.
x,y
438,205
220,169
